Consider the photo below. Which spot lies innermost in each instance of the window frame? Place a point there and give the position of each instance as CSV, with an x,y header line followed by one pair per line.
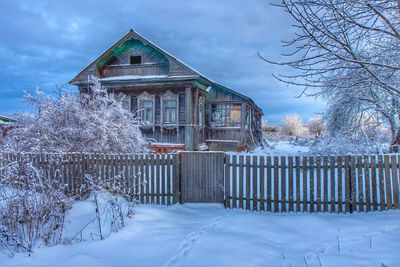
x,y
137,57
169,96
225,109
145,96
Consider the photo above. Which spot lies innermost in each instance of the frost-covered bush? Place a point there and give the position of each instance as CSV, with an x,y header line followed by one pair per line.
x,y
94,121
316,125
347,144
32,208
292,125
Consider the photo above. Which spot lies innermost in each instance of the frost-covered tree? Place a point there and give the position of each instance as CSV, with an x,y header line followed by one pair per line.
x,y
94,121
292,125
316,125
348,52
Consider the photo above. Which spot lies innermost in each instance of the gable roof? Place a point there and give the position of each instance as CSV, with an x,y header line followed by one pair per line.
x,y
92,68
222,89
186,71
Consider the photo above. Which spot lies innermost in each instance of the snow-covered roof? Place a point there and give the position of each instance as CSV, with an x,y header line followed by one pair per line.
x,y
6,119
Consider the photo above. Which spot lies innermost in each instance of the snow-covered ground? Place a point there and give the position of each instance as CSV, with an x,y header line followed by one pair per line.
x,y
209,235
281,148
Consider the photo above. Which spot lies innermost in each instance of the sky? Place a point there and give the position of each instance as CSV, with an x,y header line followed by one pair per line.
x,y
45,43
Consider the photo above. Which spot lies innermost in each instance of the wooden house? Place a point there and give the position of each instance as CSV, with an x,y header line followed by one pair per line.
x,y
6,123
177,104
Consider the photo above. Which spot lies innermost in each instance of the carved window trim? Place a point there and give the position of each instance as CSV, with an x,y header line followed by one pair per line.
x,y
145,96
202,108
167,96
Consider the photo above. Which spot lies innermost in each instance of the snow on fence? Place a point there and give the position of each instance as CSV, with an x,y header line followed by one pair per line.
x,y
262,183
312,184
148,178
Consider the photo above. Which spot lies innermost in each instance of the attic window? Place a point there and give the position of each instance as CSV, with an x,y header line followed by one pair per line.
x,y
135,60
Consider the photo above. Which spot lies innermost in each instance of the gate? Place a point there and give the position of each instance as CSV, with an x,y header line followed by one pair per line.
x,y
202,177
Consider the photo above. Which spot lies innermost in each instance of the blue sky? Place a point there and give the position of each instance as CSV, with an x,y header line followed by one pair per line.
x,y
44,43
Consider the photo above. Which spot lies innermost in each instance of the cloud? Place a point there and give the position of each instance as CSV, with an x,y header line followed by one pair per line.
x,y
47,42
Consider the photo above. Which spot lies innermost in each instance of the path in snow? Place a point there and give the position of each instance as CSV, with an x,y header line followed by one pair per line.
x,y
191,239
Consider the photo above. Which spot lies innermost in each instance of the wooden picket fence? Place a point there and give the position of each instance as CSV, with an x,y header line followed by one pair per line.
x,y
312,184
148,178
260,183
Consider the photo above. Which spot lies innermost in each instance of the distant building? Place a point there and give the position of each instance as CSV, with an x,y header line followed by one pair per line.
x,y
6,123
178,105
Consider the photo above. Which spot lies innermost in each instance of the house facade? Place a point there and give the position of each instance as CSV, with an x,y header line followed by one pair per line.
x,y
176,104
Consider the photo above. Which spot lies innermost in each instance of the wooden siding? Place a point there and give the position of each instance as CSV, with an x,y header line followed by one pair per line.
x,y
140,69
175,135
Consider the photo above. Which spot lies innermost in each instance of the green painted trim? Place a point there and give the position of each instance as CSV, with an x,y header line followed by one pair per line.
x,y
125,46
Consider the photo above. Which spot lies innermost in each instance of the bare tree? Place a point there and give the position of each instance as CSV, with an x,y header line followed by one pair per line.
x,y
347,49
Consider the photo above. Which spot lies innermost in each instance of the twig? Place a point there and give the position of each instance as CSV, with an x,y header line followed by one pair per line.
x,y
305,260
319,260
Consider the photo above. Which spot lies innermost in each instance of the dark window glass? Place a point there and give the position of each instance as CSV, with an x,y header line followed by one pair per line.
x,y
226,115
170,111
135,60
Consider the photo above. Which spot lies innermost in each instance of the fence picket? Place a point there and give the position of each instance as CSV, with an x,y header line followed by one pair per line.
x,y
262,183
290,183
340,183
269,183
381,183
360,184
247,182
325,181
227,185
332,183
255,182
241,161
367,183
283,184
311,167
276,177
304,168
347,184
234,181
318,187
297,162
388,184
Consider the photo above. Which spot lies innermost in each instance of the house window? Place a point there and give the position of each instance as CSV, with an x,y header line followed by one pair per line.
x,y
170,111
135,60
146,111
226,115
146,107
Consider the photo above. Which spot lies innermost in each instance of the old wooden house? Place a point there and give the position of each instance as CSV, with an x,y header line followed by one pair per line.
x,y
177,104
6,124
